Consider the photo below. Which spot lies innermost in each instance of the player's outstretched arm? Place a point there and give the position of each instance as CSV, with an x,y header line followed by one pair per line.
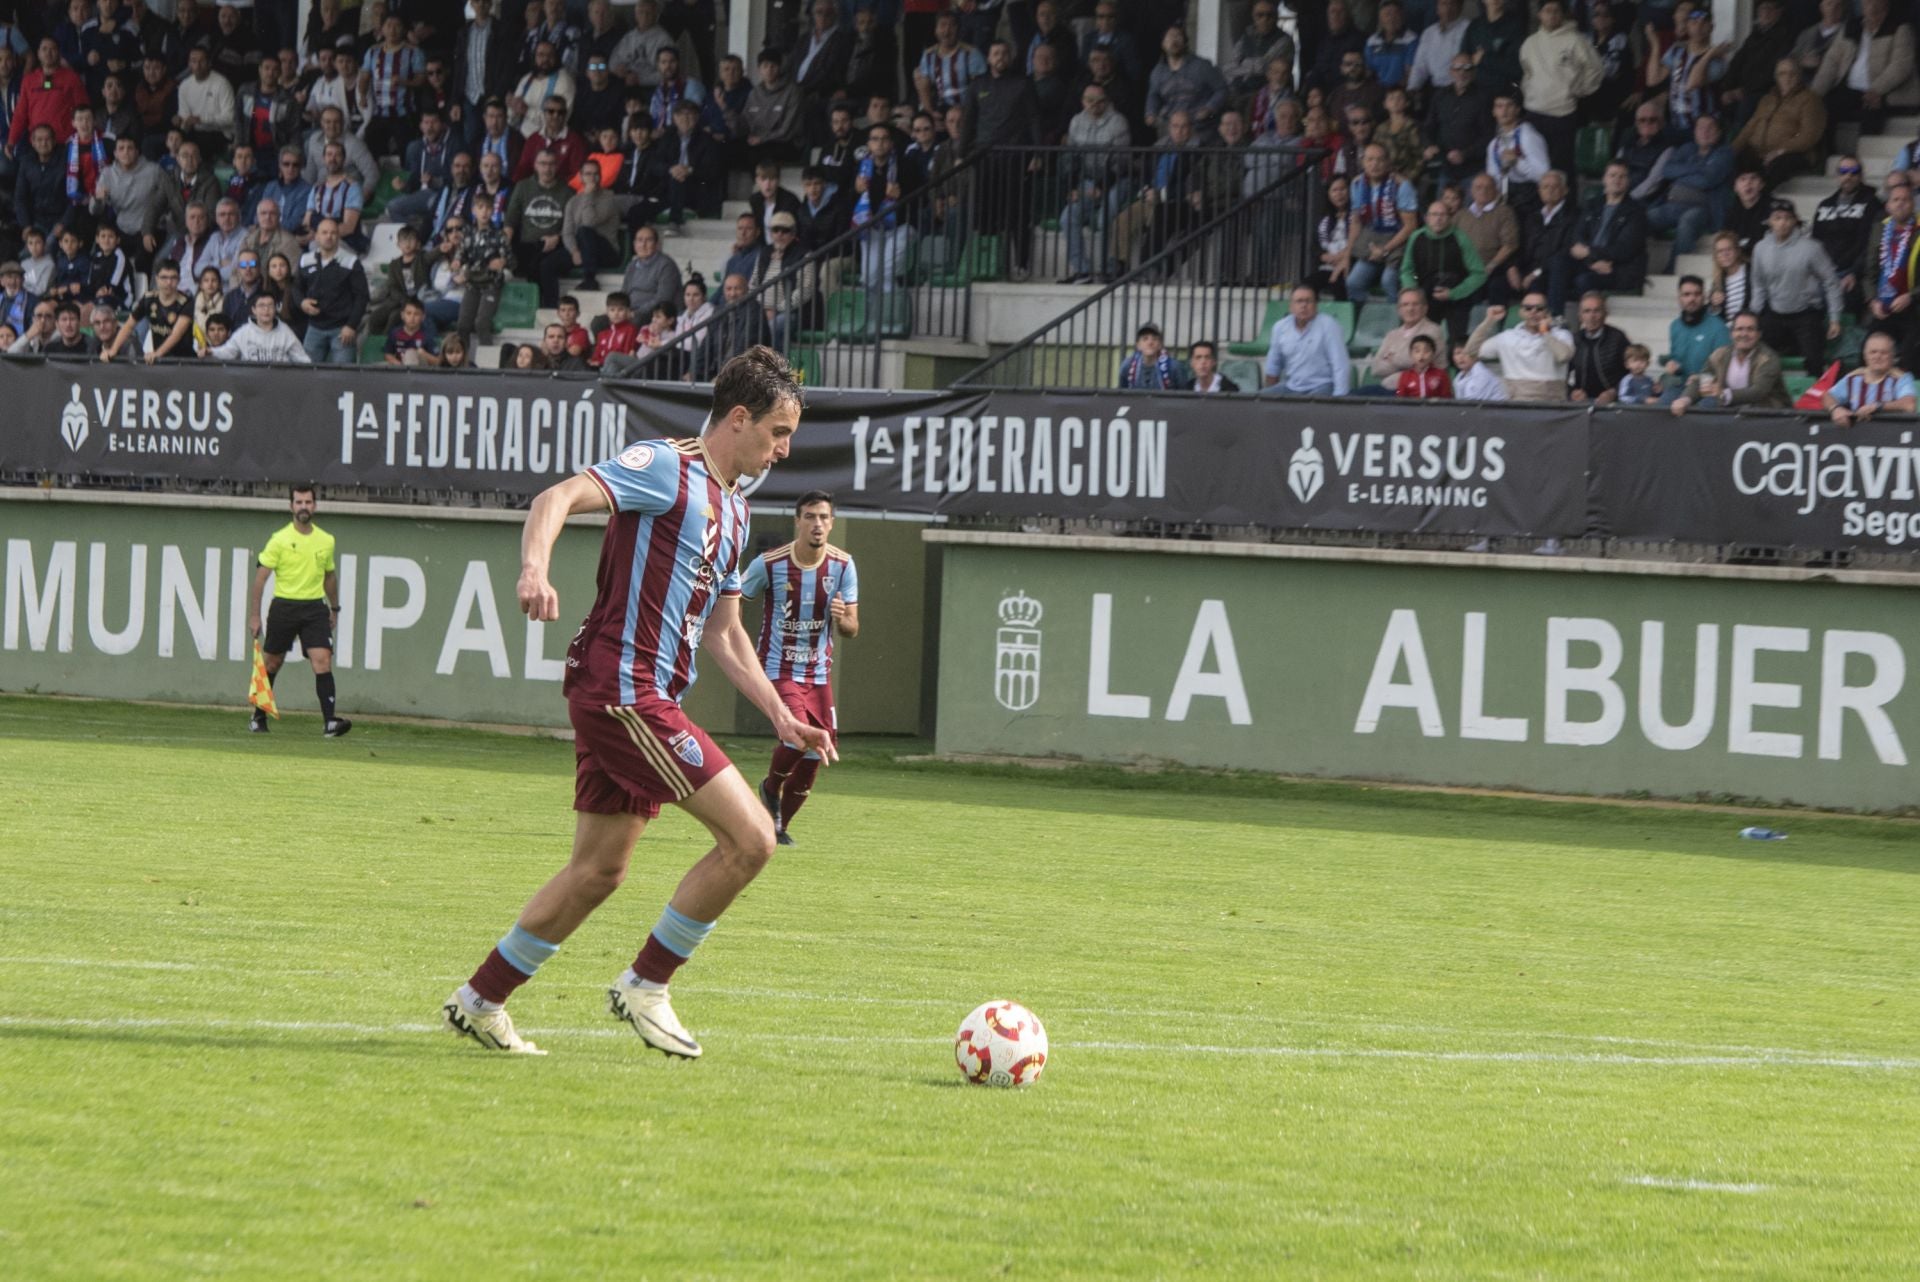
x,y
571,497
727,641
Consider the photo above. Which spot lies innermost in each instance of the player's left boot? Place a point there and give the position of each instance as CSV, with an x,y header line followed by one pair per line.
x,y
337,727
780,838
492,1029
651,1015
771,801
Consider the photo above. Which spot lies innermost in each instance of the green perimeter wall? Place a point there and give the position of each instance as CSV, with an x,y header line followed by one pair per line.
x,y
444,637
1524,677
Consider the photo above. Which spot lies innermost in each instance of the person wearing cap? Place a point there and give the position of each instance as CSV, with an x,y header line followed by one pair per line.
x,y
793,293
16,304
1842,221
1795,288
1151,367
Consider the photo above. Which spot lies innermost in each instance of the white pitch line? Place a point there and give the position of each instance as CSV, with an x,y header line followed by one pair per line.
x,y
1693,1186
1180,1048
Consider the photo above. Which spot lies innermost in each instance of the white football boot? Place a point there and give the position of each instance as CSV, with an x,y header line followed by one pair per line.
x,y
492,1029
651,1015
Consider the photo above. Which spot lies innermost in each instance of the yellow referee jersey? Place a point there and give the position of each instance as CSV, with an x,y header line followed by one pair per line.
x,y
300,562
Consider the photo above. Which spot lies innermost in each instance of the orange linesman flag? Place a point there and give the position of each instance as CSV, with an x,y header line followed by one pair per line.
x,y
259,691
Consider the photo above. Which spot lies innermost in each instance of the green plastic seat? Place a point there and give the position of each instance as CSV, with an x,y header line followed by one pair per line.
x,y
519,305
982,258
1592,148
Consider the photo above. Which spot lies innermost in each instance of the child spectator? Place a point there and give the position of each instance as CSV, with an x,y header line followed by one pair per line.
x,y
109,275
408,343
1637,387
659,327
1424,381
579,341
621,336
71,268
37,263
1476,381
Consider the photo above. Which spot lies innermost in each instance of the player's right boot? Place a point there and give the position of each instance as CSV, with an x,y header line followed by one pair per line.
x,y
257,724
651,1015
770,801
780,837
492,1029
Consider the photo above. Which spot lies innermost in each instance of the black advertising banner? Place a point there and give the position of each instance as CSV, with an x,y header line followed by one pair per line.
x,y
1771,480
1354,464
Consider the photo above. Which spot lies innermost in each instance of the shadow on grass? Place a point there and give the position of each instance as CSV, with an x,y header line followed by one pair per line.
x,y
871,768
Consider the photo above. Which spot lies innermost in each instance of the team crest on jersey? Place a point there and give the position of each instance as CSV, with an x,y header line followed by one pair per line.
x,y
687,748
637,457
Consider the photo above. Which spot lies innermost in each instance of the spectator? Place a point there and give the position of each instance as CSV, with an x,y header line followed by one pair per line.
x,y
546,23
553,346
601,101
1184,81
205,104
1307,355
1599,354
1268,99
1331,239
1110,38
1356,94
947,67
156,100
1203,358
774,115
1687,191
1002,112
88,156
1754,70
651,278
40,186
333,290
1533,355
1642,149
1122,94
337,197
454,354
263,339
1746,215
589,230
535,218
1547,235
1439,49
674,88
822,216
135,191
1442,263
1052,95
267,237
568,148
16,304
636,59
36,261
791,287
1383,221
1745,373
1348,153
1888,268
1810,48
479,269
1695,334
1637,387
410,275
1339,39
1493,41
226,239
736,329
454,197
1391,49
747,250
1868,70
48,96
1424,380
1261,45
529,106
410,343
1400,134
1842,222
483,69
266,114
71,268
109,274
1475,382
1151,367
873,61
193,247
167,315
1460,121
59,340
1611,242
209,301
497,138
693,166
1516,155
1619,72
1690,71
360,162
1558,68
1395,353
1876,387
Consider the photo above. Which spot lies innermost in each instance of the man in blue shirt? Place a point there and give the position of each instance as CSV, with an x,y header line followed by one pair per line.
x,y
1692,181
1308,356
1695,334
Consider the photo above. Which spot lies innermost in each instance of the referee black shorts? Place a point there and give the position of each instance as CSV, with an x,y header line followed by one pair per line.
x,y
310,621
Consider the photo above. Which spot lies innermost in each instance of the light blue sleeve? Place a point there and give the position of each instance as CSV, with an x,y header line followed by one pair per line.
x,y
976,65
1904,387
1276,363
641,478
1408,199
356,199
850,581
1337,357
754,581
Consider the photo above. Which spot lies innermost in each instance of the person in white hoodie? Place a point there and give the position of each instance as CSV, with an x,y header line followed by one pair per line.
x,y
265,340
1558,67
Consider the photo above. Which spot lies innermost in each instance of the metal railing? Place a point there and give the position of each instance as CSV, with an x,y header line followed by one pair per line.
x,y
1205,270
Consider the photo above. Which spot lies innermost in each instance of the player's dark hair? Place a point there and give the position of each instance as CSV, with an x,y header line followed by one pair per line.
x,y
756,380
811,497
302,487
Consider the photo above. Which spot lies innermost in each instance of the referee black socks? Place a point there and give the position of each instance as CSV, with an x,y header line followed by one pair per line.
x,y
323,686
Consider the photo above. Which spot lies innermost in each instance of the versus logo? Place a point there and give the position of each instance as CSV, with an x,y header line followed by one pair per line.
x,y
1016,653
1394,469
148,422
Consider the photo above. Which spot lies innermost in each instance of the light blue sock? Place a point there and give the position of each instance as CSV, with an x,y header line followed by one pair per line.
x,y
525,951
679,933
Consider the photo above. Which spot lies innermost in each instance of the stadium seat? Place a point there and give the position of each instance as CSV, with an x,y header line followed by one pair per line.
x,y
1246,373
806,362
373,349
1797,384
375,201
1370,330
1276,308
519,306
1343,312
1592,148
982,258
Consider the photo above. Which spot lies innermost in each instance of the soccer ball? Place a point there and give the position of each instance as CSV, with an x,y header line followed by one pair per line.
x,y
1001,1044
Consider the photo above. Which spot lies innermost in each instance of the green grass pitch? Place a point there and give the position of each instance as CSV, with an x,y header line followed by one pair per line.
x,y
1298,1031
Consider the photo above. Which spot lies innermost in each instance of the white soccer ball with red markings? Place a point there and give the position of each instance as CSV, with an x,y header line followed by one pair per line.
x,y
1001,1044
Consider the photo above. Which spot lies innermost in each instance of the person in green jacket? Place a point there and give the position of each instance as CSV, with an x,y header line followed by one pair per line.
x,y
1442,263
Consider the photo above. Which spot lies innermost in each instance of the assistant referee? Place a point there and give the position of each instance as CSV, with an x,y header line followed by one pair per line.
x,y
306,604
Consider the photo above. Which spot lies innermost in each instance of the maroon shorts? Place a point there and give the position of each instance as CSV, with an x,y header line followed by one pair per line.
x,y
633,760
812,704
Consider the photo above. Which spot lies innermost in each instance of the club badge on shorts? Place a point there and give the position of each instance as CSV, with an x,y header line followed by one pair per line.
x,y
687,748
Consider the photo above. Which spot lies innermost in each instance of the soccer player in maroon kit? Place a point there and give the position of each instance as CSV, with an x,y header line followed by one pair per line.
x,y
812,592
669,579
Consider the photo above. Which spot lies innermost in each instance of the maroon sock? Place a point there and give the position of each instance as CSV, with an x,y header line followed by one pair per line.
x,y
656,962
497,978
784,760
797,789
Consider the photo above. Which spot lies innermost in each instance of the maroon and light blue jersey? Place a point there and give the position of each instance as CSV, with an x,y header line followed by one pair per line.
x,y
672,550
796,639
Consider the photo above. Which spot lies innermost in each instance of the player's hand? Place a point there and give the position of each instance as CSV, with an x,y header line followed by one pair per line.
x,y
838,609
253,625
538,600
813,738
